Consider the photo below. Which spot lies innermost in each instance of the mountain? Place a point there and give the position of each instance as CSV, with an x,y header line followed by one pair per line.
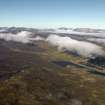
x,y
38,73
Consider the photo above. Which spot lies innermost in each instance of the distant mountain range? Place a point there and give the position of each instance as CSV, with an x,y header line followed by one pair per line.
x,y
61,29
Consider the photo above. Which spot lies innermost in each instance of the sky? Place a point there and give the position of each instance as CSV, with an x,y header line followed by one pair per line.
x,y
52,13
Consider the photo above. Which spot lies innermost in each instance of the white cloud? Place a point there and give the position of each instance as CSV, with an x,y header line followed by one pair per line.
x,y
97,40
19,37
82,48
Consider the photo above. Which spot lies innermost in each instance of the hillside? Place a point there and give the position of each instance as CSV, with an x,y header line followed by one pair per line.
x,y
29,75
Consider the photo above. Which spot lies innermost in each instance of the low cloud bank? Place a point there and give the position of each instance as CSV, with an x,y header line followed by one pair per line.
x,y
19,37
97,40
38,38
82,48
23,37
80,33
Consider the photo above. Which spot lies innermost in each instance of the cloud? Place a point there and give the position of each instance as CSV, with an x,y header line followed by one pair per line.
x,y
82,48
38,38
23,37
79,33
97,40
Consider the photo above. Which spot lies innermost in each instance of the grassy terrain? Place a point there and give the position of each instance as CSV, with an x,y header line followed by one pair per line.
x,y
31,79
